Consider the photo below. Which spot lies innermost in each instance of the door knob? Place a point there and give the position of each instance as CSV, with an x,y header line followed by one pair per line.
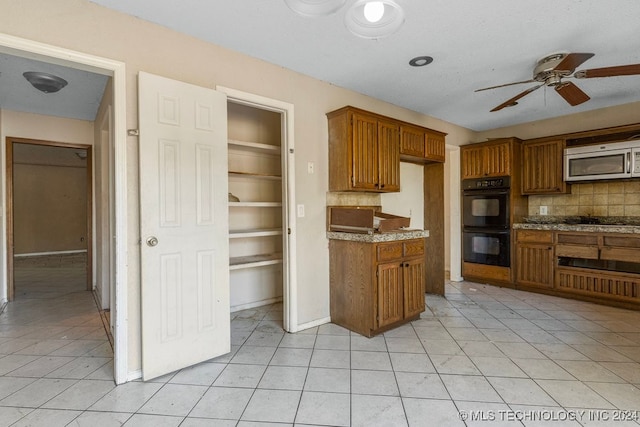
x,y
152,241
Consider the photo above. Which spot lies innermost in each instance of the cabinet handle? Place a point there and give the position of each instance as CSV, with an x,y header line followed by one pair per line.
x,y
381,185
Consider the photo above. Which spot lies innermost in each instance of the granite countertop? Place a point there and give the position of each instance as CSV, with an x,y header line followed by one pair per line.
x,y
629,225
378,237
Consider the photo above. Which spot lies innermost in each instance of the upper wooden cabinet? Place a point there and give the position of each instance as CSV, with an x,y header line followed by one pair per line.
x,y
487,159
365,150
419,145
542,167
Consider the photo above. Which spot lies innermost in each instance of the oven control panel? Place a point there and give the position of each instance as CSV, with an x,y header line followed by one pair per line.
x,y
486,183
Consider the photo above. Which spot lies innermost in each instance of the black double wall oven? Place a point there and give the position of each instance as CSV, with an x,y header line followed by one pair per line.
x,y
486,221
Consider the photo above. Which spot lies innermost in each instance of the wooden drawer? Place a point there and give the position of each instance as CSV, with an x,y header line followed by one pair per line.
x,y
626,241
412,248
620,254
388,251
575,251
577,239
534,236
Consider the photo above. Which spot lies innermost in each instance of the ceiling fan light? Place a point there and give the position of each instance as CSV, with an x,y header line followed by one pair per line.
x,y
360,19
315,7
45,82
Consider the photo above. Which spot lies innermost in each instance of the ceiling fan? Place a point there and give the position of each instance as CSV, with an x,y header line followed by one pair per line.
x,y
550,71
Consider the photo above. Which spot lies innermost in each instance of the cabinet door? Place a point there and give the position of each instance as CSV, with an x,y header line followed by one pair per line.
x,y
497,160
364,152
390,295
413,276
388,156
542,167
435,148
534,264
472,162
412,140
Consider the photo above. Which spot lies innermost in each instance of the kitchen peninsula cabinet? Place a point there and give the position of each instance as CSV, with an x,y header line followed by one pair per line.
x,y
534,258
376,286
364,151
487,159
542,167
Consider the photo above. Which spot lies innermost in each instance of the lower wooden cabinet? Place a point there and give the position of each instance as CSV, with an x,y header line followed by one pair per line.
x,y
597,266
534,258
376,286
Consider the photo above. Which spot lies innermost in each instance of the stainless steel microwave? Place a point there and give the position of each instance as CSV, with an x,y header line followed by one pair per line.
x,y
603,161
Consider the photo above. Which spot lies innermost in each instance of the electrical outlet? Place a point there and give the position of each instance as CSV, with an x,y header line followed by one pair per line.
x,y
544,210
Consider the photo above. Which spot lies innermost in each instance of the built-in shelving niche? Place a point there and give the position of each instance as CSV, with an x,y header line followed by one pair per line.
x,y
256,229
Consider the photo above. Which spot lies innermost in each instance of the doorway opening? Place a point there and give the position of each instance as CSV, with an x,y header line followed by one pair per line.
x,y
49,218
116,126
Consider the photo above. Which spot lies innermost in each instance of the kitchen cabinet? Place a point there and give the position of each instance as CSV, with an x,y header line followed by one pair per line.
x,y
534,258
542,167
599,265
486,159
376,286
364,152
421,145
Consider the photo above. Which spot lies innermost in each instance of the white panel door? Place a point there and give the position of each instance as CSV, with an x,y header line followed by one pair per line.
x,y
183,223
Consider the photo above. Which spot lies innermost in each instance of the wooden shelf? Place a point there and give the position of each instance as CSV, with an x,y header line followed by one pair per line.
x,y
255,204
252,261
234,174
255,146
264,232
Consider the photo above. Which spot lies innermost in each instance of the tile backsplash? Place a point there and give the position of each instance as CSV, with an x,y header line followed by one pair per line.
x,y
621,198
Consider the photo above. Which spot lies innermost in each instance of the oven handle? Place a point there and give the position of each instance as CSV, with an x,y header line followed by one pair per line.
x,y
485,230
485,192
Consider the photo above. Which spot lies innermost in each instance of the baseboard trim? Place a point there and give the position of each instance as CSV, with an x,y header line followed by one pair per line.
x,y
313,324
79,251
255,304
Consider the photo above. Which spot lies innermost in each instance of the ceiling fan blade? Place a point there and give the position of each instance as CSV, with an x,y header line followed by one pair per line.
x,y
572,93
619,70
511,102
507,84
572,61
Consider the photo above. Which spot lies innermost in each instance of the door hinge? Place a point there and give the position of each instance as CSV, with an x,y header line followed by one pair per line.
x,y
290,150
288,230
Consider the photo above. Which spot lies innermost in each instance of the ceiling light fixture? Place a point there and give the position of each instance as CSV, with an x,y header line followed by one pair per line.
x,y
314,7
45,82
421,61
373,11
374,19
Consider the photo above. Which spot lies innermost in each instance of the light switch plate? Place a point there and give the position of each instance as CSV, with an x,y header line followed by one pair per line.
x,y
544,210
300,211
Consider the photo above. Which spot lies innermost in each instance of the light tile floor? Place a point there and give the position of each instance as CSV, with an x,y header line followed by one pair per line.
x,y
499,356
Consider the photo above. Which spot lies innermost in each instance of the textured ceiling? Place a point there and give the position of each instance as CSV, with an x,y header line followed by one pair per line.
x,y
474,44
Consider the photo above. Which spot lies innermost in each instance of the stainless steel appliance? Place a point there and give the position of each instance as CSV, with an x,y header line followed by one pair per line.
x,y
603,161
485,219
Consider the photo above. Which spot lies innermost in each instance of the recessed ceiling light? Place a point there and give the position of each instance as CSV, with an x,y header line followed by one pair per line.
x,y
45,82
315,7
421,61
374,19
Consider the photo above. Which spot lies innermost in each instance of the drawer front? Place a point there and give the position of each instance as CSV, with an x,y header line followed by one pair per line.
x,y
620,254
413,248
534,236
578,239
627,241
389,251
575,251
